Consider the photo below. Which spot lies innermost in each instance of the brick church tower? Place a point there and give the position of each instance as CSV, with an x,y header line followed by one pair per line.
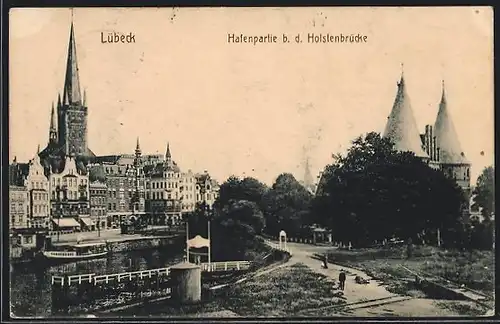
x,y
68,135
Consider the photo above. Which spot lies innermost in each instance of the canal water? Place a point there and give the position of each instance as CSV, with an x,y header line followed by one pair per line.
x,y
30,283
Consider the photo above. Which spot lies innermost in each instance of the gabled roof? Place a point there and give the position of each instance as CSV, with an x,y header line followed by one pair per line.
x,y
401,127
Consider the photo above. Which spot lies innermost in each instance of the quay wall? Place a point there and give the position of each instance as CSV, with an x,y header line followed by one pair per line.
x,y
142,243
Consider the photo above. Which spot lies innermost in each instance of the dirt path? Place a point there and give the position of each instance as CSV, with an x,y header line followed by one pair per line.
x,y
365,296
354,292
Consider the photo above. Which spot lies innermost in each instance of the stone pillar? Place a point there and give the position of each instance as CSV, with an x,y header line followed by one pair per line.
x,y
186,279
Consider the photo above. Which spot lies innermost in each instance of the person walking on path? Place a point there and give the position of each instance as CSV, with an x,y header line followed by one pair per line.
x,y
342,278
325,261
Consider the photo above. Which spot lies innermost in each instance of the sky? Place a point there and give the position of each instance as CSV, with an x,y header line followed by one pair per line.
x,y
251,110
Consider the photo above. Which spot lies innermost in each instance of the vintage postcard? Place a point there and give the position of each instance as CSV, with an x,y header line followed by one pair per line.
x,y
251,162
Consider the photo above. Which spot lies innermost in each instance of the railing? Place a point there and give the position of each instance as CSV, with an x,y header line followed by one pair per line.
x,y
225,266
61,253
276,246
142,274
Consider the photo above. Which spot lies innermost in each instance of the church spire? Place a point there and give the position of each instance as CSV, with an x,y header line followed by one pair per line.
x,y
450,150
53,126
308,178
401,127
138,148
168,156
72,92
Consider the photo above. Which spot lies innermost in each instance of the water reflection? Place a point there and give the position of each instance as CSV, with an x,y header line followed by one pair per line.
x,y
31,283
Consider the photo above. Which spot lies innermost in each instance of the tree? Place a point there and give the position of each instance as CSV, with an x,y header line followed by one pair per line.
x,y
287,206
375,192
249,189
235,228
484,193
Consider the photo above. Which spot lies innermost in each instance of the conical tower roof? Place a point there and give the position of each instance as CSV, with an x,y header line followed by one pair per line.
x,y
72,92
401,127
450,150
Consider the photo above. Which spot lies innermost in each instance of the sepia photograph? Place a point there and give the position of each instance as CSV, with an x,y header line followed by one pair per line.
x,y
284,162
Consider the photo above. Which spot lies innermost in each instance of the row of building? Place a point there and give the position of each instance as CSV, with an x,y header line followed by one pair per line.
x,y
109,190
66,186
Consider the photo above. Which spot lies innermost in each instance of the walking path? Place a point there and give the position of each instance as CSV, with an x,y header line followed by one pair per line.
x,y
302,253
370,299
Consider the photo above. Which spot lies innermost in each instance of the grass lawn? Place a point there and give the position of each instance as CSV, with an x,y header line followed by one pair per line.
x,y
474,269
283,292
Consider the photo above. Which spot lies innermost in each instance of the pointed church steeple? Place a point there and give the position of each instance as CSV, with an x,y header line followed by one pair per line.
x,y
72,92
168,156
401,127
138,151
308,178
450,150
53,126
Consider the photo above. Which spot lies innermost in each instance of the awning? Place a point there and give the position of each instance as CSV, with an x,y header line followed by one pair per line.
x,y
87,221
66,222
198,242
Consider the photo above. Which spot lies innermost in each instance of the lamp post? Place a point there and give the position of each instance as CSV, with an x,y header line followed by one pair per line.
x,y
58,211
207,214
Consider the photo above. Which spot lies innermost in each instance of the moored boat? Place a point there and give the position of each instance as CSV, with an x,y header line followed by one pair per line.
x,y
82,251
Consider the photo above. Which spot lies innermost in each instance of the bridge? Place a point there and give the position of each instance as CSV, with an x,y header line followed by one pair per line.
x,y
92,278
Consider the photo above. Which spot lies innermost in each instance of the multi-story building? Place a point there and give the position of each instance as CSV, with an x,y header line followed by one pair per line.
x,y
124,178
163,191
99,204
31,176
19,202
188,191
207,189
38,187
69,190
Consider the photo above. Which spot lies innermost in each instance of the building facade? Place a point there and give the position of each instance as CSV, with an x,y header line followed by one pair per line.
x,y
69,194
124,178
207,189
163,191
19,207
38,187
98,204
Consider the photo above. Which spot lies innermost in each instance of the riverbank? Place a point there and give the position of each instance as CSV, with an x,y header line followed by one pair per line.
x,y
126,243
